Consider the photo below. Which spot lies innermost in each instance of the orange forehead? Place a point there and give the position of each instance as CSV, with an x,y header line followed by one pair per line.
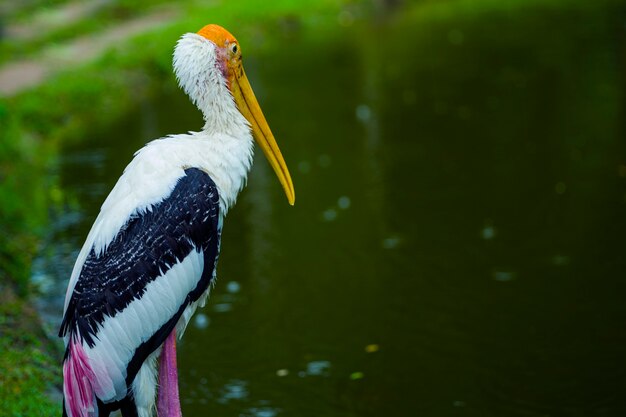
x,y
217,34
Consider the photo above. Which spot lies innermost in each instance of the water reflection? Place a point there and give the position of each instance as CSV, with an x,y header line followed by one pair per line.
x,y
233,390
201,321
263,412
318,368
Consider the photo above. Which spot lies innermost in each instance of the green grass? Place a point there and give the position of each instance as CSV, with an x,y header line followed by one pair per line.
x,y
191,14
27,370
107,17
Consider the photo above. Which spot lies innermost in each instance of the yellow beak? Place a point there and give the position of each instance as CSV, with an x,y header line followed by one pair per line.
x,y
250,109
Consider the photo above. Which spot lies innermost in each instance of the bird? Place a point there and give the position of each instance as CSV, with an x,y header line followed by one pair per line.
x,y
150,257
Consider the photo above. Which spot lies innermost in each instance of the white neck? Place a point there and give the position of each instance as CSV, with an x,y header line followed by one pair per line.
x,y
226,140
220,113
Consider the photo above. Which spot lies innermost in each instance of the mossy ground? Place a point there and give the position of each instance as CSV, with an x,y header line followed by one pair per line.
x,y
30,370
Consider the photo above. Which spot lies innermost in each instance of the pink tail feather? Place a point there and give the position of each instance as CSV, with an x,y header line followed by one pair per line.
x,y
78,377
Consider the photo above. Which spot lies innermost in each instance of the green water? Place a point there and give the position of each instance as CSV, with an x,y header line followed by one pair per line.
x,y
461,205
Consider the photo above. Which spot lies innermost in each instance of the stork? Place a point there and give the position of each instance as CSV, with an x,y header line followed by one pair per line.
x,y
150,257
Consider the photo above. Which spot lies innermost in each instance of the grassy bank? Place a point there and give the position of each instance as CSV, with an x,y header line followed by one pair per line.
x,y
28,360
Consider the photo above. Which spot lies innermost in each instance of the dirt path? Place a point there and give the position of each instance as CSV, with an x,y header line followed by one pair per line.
x,y
47,20
18,76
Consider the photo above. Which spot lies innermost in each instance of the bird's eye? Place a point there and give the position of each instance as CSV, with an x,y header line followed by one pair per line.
x,y
234,48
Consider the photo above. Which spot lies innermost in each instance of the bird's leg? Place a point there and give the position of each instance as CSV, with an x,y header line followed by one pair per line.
x,y
168,404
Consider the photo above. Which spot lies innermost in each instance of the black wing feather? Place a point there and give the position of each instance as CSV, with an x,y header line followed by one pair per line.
x,y
148,244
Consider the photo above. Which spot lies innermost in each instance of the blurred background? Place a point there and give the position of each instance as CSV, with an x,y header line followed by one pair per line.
x,y
458,243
